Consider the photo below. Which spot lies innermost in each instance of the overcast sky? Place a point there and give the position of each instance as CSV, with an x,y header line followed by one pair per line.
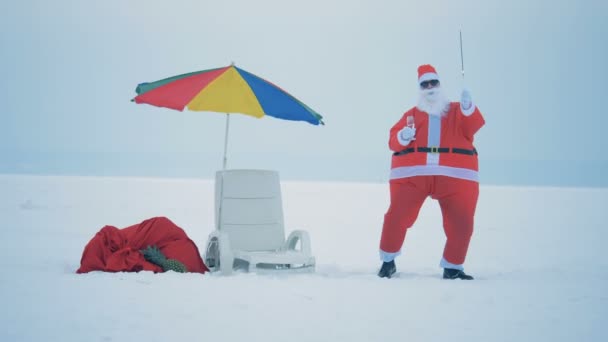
x,y
69,69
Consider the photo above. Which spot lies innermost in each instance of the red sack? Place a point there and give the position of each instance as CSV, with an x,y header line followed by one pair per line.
x,y
117,250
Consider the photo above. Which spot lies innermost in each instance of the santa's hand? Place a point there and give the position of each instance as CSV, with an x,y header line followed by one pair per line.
x,y
406,135
466,103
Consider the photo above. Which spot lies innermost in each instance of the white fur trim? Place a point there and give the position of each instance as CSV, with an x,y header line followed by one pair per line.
x,y
388,257
434,170
445,264
469,111
427,77
433,139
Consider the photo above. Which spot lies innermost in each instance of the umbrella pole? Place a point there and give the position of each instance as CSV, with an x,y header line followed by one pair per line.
x,y
219,217
226,140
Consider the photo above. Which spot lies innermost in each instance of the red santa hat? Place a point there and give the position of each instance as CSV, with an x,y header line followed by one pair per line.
x,y
427,72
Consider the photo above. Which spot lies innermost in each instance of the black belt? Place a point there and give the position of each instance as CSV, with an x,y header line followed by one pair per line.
x,y
472,152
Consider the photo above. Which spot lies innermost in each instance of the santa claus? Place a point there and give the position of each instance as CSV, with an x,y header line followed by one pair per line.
x,y
433,156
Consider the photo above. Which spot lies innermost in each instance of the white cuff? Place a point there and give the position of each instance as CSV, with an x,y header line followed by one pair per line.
x,y
469,111
388,257
446,264
402,141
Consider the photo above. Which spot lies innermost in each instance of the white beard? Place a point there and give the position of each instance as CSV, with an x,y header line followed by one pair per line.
x,y
433,101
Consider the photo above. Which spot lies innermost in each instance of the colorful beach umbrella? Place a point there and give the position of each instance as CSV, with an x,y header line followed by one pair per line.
x,y
226,90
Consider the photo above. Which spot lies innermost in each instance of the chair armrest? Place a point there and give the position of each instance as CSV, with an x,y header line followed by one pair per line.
x,y
226,257
292,241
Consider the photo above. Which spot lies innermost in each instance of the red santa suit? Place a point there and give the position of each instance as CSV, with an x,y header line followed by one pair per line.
x,y
441,163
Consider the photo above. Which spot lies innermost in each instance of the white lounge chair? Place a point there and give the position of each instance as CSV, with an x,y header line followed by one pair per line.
x,y
249,229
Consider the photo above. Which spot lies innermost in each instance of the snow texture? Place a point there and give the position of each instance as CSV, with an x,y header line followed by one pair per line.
x,y
537,255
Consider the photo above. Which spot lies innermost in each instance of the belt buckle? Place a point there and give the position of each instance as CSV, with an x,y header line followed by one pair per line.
x,y
434,149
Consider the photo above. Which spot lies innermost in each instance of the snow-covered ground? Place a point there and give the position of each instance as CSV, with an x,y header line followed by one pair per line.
x,y
538,255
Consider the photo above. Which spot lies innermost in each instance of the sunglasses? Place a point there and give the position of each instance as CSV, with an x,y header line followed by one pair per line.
x,y
432,83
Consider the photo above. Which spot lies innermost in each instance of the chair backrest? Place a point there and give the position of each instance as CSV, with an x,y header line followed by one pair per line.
x,y
249,208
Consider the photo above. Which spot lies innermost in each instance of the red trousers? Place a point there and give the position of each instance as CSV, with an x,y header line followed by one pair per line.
x,y
457,199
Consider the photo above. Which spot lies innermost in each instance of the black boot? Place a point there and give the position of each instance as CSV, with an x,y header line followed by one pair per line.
x,y
388,269
450,273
